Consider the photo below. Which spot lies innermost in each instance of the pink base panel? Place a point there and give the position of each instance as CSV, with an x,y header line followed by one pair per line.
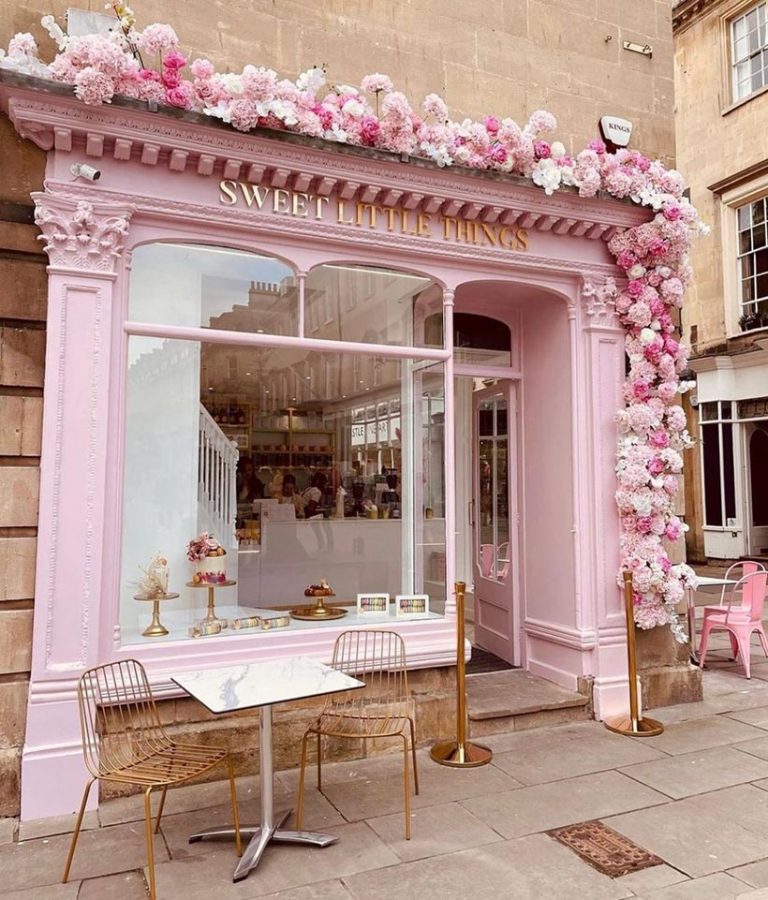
x,y
545,272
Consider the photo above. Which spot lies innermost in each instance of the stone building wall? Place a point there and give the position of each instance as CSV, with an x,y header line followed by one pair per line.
x,y
507,58
716,139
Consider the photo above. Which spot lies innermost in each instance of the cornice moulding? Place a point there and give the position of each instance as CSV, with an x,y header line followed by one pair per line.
x,y
48,114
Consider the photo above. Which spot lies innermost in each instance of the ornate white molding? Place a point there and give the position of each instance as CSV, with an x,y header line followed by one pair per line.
x,y
599,296
79,234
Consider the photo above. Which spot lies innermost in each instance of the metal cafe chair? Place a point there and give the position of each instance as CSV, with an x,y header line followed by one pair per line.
x,y
740,620
384,708
125,742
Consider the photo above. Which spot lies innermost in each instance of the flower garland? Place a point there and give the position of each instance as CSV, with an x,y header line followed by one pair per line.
x,y
652,427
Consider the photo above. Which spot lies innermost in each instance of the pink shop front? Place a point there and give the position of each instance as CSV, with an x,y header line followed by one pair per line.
x,y
343,364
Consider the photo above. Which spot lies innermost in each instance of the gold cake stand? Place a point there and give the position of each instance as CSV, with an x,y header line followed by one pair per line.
x,y
155,627
318,611
211,615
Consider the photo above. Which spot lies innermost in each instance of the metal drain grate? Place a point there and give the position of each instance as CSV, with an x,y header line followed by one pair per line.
x,y
602,847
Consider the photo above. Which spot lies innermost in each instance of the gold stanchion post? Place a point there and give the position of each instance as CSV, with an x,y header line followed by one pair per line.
x,y
634,725
460,753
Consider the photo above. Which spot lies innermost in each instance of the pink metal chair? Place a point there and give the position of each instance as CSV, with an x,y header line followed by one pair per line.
x,y
503,561
739,619
747,567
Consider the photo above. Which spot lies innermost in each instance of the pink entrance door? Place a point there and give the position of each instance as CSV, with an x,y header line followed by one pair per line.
x,y
495,518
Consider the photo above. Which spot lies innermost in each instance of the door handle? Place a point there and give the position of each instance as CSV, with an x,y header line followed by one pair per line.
x,y
471,512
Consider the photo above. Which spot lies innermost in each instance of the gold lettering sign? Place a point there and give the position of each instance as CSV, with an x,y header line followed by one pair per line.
x,y
302,205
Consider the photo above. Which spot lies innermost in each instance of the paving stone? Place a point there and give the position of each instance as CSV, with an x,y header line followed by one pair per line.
x,y
102,851
362,789
181,799
327,890
651,879
125,886
67,891
282,867
697,773
701,734
754,895
757,716
703,834
545,806
534,866
550,754
754,874
39,828
435,830
712,887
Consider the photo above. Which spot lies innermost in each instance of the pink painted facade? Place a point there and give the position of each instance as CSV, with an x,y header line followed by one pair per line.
x,y
497,247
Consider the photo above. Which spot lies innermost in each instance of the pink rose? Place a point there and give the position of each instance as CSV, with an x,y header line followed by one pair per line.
x,y
641,390
644,524
492,124
672,212
674,530
635,288
542,150
177,96
656,466
659,439
174,60
499,154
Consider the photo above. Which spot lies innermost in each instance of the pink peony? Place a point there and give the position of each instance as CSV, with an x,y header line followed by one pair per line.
x,y
492,124
202,68
174,60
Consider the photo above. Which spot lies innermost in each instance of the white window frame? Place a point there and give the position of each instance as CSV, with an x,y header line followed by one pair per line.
x,y
741,53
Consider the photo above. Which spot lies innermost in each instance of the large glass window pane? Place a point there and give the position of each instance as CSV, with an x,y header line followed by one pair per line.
x,y
367,305
212,287
477,340
729,485
298,466
710,441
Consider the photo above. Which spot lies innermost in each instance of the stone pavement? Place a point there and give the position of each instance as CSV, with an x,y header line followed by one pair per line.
x,y
697,796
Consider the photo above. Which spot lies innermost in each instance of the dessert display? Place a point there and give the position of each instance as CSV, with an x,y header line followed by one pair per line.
x,y
153,586
318,611
211,559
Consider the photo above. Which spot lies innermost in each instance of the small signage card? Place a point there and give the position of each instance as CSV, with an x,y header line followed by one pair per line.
x,y
411,605
373,604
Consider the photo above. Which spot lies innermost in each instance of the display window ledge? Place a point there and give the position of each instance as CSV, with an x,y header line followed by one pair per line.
x,y
430,641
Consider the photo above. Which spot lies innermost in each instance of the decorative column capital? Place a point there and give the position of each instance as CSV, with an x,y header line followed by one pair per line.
x,y
448,297
599,302
80,234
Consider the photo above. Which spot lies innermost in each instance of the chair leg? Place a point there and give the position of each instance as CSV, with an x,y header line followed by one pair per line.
x,y
300,792
235,811
744,652
406,787
734,646
76,832
150,845
703,645
160,808
319,762
413,755
763,641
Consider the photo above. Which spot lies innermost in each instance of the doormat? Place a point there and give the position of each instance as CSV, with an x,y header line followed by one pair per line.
x,y
604,849
483,661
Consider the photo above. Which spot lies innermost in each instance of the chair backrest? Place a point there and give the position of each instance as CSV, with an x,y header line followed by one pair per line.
x,y
747,567
503,561
752,588
118,717
376,657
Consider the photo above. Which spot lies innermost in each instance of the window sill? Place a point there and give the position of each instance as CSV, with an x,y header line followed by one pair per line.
x,y
738,103
750,331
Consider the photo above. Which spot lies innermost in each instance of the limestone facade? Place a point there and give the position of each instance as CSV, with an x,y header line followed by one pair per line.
x,y
723,154
510,58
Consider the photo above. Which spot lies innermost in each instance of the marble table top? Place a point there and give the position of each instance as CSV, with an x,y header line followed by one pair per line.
x,y
230,688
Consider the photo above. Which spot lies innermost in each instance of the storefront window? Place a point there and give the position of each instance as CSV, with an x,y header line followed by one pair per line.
x,y
477,340
305,465
366,305
212,287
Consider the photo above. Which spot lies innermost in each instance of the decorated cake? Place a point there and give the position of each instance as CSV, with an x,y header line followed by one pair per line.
x,y
319,590
210,557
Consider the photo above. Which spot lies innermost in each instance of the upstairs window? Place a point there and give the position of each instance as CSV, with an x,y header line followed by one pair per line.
x,y
753,264
749,52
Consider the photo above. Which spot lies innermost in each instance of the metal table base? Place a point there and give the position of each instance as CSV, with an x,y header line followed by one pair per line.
x,y
269,830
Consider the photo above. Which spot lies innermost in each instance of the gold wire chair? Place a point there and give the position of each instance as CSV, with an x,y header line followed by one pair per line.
x,y
124,741
383,708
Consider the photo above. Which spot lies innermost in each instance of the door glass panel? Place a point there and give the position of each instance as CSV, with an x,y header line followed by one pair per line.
x,y
493,489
